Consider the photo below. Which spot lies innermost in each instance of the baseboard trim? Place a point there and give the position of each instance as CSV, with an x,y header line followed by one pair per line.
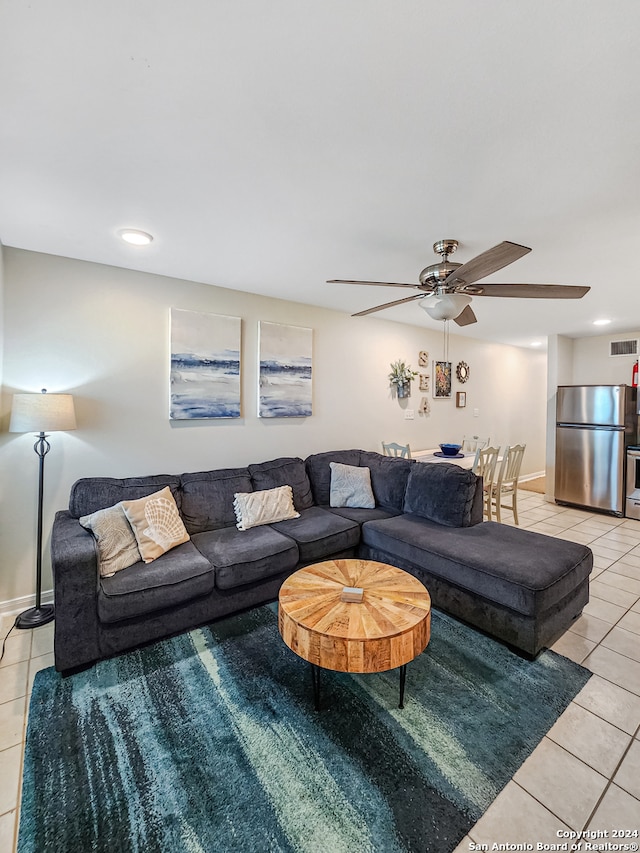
x,y
532,476
24,602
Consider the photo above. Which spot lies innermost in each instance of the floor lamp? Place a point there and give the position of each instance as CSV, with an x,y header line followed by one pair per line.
x,y
40,413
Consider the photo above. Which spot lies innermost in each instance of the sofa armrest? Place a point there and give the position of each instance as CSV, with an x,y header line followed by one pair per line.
x,y
74,563
477,507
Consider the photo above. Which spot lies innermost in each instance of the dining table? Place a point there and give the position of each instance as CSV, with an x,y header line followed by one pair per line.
x,y
464,459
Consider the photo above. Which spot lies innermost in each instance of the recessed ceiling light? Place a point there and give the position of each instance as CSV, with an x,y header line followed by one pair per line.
x,y
601,322
135,237
536,343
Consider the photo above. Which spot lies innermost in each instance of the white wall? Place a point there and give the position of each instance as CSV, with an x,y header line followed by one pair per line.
x,y
559,372
1,311
102,333
592,364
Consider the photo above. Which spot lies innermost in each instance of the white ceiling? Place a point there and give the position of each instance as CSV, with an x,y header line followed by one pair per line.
x,y
269,145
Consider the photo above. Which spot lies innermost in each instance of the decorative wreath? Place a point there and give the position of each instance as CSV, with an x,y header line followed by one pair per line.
x,y
462,371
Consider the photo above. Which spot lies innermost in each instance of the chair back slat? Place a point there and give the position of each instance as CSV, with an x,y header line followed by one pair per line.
x,y
506,483
484,465
391,448
511,464
471,443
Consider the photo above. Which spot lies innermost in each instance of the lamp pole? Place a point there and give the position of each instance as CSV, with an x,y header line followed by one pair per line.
x,y
38,615
39,413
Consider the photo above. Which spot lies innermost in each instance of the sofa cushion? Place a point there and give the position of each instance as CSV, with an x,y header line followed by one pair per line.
x,y
319,472
117,546
242,557
360,515
93,493
156,524
351,486
177,576
286,471
441,492
389,477
263,506
207,497
320,534
525,571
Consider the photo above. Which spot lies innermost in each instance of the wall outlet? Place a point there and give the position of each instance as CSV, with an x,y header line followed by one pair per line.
x,y
476,413
409,415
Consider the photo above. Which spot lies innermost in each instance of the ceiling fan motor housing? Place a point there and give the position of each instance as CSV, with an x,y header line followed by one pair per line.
x,y
435,274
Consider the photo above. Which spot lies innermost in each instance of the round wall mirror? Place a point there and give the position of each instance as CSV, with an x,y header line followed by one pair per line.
x,y
462,371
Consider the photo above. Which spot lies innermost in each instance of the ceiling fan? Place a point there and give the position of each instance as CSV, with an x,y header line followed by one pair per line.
x,y
445,288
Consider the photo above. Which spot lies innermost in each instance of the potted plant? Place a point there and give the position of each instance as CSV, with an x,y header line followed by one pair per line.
x,y
401,376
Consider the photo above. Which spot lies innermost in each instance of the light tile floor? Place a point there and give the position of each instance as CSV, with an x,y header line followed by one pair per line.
x,y
585,774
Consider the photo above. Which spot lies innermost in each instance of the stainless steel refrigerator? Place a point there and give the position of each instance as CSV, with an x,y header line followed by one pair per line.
x,y
594,426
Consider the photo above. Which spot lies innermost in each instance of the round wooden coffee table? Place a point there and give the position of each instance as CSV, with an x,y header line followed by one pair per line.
x,y
389,627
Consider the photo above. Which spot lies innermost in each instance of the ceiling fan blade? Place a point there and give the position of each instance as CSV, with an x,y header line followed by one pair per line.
x,y
378,283
488,262
533,291
388,305
466,318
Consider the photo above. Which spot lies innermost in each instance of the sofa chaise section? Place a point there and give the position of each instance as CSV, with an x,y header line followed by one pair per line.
x,y
522,587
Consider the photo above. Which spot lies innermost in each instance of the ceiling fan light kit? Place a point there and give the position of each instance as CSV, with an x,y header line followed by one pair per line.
x,y
446,288
446,307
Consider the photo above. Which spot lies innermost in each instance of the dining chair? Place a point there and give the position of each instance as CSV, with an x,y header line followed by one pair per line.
x,y
506,483
484,465
392,449
471,443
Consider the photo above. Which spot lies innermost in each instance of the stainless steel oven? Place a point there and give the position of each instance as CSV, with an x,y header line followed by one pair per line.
x,y
633,483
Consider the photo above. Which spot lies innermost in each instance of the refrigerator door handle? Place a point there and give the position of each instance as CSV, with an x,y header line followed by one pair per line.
x,y
594,427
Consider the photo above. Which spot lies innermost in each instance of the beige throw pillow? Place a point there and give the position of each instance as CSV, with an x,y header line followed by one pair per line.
x,y
264,507
117,546
156,524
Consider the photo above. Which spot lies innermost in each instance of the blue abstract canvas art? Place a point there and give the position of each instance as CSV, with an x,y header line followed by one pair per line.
x,y
284,371
205,365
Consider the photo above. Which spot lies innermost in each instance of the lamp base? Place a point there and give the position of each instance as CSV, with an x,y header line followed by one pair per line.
x,y
35,616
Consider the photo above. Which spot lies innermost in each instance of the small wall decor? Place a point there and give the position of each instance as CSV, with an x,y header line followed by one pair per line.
x,y
442,379
401,377
205,366
462,371
425,406
461,399
424,381
285,370
423,358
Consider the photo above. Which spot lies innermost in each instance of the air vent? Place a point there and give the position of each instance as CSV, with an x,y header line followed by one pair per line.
x,y
623,347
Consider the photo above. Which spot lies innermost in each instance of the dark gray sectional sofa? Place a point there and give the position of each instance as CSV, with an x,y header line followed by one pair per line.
x,y
523,588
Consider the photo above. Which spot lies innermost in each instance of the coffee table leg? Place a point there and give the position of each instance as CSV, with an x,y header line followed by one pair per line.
x,y
315,677
403,678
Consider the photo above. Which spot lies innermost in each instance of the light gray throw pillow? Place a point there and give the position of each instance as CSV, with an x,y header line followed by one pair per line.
x,y
117,546
351,486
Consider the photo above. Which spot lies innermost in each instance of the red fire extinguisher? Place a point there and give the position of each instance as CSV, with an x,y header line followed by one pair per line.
x,y
634,375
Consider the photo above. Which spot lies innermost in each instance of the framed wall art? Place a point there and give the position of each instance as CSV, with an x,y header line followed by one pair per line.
x,y
284,371
205,366
441,379
461,399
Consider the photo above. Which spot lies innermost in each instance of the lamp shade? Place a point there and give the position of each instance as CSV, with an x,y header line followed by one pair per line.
x,y
448,306
42,413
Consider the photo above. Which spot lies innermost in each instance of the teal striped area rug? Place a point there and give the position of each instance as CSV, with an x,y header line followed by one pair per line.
x,y
210,742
